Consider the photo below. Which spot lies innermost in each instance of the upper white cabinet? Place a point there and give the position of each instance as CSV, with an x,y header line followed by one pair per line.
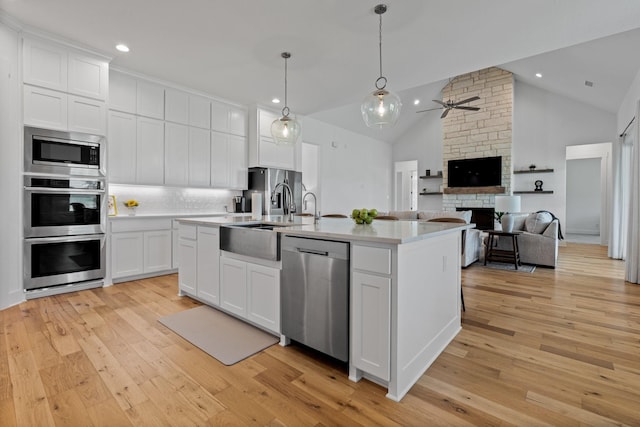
x,y
45,64
64,88
263,151
149,99
199,157
150,151
122,92
228,161
228,119
176,159
122,147
176,106
199,112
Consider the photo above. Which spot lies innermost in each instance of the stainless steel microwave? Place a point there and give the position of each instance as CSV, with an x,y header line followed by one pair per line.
x,y
67,153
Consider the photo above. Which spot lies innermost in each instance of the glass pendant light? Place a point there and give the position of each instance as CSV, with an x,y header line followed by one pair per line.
x,y
285,130
381,108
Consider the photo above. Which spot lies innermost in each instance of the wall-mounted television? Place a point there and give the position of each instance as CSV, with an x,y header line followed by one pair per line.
x,y
479,172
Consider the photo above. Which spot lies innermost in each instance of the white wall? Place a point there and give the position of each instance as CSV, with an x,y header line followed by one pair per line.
x,y
355,170
10,170
544,125
423,142
627,109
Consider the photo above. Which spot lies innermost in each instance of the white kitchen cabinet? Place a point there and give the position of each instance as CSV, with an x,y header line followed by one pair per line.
x,y
176,106
228,161
263,151
233,286
187,274
176,159
140,247
45,108
149,151
53,66
127,254
121,148
175,254
88,76
87,115
263,296
199,154
157,251
122,92
208,265
199,112
371,323
149,99
227,118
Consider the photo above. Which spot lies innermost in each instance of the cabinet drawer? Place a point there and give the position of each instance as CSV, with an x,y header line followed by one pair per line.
x,y
376,260
125,225
188,231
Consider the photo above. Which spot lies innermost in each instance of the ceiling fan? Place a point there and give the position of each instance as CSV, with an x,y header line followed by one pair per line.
x,y
450,105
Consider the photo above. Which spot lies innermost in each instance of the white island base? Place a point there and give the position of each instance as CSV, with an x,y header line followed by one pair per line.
x,y
405,308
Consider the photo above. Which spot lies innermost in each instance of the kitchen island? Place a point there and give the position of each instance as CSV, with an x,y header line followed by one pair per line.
x,y
404,290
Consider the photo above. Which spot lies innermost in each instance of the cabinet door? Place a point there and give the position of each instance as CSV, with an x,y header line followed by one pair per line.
x,y
219,160
87,115
127,254
176,160
208,265
122,92
157,251
237,161
45,108
370,324
199,157
176,106
175,236
150,151
263,296
121,147
233,286
187,250
199,112
237,121
88,76
149,100
270,154
45,64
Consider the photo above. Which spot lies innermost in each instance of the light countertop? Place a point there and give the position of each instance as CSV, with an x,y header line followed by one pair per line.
x,y
393,232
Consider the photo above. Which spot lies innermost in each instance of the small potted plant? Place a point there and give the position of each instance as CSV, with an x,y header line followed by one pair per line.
x,y
131,206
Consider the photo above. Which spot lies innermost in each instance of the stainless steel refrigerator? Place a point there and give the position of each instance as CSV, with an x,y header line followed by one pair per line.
x,y
265,180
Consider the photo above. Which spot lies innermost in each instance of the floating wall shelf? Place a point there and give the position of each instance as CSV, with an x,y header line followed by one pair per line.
x,y
533,171
534,192
430,176
430,193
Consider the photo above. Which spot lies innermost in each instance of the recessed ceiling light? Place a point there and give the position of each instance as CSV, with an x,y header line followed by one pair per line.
x,y
276,100
416,102
122,47
539,75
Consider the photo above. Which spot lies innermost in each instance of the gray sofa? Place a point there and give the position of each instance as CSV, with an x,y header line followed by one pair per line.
x,y
473,240
538,239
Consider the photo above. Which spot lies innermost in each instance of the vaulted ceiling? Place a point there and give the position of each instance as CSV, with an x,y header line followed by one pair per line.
x,y
231,49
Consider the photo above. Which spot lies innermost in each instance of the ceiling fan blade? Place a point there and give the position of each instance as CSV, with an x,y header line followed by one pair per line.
x,y
444,113
460,107
464,101
430,109
444,104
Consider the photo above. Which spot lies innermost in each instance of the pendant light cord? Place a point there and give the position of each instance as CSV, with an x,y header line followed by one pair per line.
x,y
381,82
285,109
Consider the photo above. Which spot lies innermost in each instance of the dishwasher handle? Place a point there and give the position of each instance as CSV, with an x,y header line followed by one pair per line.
x,y
312,252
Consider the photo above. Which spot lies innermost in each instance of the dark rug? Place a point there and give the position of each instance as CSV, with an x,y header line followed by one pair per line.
x,y
524,268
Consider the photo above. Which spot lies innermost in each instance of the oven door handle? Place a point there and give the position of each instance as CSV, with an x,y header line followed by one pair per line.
x,y
63,190
62,239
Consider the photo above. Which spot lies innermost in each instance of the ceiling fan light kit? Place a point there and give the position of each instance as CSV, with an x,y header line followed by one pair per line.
x,y
285,130
450,105
381,108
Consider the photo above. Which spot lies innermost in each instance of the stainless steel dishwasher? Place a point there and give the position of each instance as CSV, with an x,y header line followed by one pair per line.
x,y
314,294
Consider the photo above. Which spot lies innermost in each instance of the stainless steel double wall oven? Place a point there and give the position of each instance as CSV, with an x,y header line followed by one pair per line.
x,y
64,212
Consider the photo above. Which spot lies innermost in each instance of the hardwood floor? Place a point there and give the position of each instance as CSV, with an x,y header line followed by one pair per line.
x,y
553,347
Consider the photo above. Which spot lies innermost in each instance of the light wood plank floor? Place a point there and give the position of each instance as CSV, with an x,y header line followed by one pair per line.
x,y
554,347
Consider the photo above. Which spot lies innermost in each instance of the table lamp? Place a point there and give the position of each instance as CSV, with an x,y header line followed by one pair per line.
x,y
507,205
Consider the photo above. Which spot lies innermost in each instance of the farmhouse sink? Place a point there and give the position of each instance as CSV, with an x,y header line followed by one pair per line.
x,y
256,240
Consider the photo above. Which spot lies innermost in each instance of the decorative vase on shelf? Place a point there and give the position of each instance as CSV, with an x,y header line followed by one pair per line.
x,y
131,210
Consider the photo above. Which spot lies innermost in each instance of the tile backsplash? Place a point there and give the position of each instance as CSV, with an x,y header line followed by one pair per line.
x,y
170,200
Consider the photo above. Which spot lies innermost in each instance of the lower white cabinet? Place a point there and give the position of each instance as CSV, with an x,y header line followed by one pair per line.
x,y
187,273
140,247
371,323
208,265
251,291
233,286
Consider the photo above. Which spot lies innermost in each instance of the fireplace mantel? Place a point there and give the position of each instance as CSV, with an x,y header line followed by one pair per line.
x,y
475,190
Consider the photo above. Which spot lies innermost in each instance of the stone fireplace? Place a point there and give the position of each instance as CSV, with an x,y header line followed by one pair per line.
x,y
483,133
